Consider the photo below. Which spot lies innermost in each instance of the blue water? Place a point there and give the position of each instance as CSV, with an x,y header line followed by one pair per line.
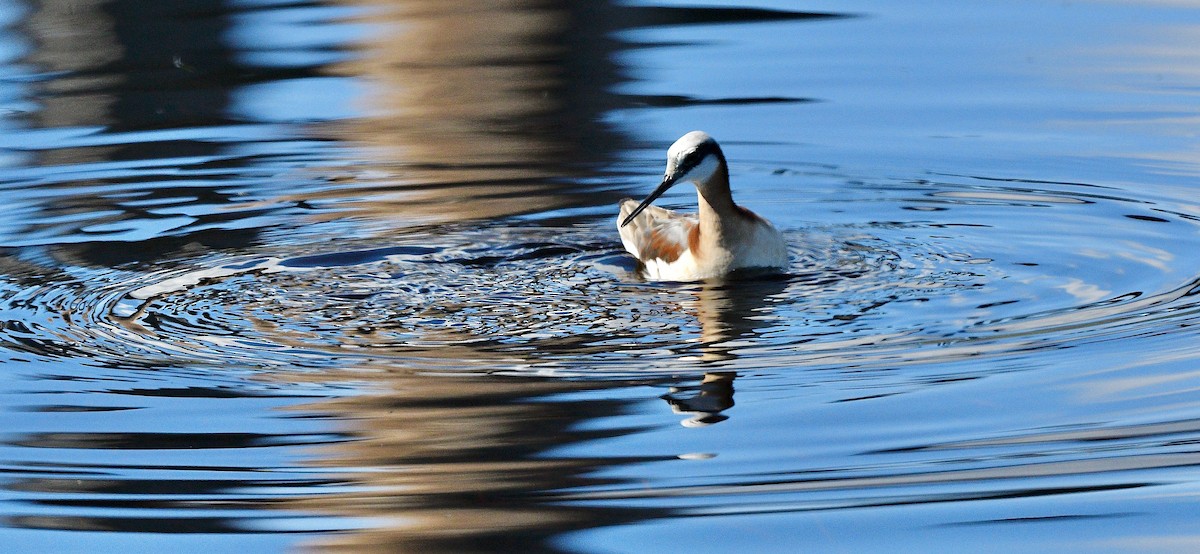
x,y
281,276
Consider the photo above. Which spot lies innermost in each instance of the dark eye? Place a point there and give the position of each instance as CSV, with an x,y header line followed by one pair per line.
x,y
690,160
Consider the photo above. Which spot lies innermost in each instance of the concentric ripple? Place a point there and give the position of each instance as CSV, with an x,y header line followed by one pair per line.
x,y
563,299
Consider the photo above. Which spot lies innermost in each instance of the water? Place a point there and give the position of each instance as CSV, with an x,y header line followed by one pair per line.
x,y
344,277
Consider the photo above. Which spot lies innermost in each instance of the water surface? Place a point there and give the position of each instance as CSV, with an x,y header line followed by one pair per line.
x,y
343,276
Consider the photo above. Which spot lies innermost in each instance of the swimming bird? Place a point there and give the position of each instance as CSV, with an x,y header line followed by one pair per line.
x,y
721,238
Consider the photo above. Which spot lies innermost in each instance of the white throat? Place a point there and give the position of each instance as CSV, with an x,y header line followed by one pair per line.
x,y
702,174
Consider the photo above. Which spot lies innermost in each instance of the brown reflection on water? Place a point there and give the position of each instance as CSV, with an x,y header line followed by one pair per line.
x,y
461,464
486,108
471,463
479,108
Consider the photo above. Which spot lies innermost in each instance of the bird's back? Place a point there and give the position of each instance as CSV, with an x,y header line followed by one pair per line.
x,y
656,233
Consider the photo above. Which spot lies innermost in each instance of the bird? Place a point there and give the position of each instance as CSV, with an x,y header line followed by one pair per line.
x,y
721,238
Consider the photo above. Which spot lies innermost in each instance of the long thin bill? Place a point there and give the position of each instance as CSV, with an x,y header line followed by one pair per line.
x,y
667,183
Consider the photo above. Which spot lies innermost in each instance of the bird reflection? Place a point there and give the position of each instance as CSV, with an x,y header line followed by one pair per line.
x,y
703,402
729,312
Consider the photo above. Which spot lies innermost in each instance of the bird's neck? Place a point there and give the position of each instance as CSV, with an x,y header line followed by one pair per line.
x,y
717,210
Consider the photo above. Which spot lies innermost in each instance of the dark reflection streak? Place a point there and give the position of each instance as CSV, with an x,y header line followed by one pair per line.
x,y
171,441
1046,519
1110,465
1036,182
160,77
866,397
154,525
37,469
1089,434
157,487
65,408
255,7
651,16
211,503
913,500
119,253
160,177
109,469
1148,218
207,392
678,101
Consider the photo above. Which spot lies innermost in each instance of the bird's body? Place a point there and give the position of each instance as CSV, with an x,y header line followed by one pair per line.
x,y
721,238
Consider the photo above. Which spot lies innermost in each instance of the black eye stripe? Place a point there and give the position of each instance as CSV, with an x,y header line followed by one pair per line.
x,y
693,158
689,161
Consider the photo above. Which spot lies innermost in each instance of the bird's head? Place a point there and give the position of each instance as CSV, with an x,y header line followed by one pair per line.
x,y
695,158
